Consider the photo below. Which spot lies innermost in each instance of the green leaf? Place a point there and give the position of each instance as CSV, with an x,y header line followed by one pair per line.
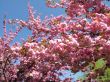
x,y
107,73
99,64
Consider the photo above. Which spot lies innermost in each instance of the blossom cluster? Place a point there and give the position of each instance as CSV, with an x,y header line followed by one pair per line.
x,y
66,42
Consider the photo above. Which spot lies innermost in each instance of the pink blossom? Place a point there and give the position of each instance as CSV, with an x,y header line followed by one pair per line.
x,y
65,42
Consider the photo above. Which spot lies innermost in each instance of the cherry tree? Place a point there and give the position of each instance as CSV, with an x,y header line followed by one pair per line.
x,y
72,42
